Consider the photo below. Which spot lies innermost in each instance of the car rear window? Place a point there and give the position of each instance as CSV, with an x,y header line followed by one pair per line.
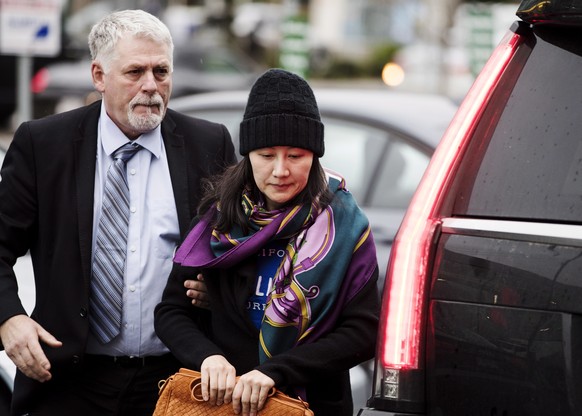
x,y
525,161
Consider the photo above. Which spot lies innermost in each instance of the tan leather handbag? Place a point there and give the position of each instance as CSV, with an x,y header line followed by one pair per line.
x,y
180,395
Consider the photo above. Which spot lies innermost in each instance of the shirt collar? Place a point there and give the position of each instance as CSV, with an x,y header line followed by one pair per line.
x,y
113,138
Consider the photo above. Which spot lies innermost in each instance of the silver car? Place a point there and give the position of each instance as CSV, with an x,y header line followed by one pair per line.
x,y
379,140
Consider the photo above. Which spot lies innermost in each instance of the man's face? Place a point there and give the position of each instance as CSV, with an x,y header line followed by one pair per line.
x,y
136,86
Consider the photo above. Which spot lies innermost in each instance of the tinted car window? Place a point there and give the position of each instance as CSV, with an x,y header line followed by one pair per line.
x,y
353,150
380,168
399,175
532,168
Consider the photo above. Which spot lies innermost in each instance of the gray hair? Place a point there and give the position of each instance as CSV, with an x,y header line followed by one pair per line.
x,y
136,23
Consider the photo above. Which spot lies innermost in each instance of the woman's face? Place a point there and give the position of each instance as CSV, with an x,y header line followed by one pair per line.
x,y
280,172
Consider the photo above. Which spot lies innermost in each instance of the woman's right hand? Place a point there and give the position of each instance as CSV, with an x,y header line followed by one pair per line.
x,y
218,380
251,393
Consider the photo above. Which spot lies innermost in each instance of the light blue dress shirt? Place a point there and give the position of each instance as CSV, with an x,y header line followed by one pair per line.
x,y
153,236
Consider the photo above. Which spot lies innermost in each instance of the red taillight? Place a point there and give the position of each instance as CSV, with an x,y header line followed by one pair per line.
x,y
402,316
39,81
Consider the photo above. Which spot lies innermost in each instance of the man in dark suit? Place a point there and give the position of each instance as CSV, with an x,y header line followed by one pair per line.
x,y
51,195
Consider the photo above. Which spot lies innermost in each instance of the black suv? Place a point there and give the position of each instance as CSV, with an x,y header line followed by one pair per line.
x,y
482,307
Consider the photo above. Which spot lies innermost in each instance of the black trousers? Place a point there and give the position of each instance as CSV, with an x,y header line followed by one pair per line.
x,y
107,387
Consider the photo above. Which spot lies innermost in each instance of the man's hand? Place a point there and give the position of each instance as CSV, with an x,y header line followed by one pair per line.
x,y
21,337
196,289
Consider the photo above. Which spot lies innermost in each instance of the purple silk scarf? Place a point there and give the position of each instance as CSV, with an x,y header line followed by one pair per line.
x,y
329,258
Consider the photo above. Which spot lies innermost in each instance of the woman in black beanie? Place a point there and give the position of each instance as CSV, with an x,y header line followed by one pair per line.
x,y
289,263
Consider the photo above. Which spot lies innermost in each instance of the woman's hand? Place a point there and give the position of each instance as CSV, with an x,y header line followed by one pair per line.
x,y
196,289
251,393
218,380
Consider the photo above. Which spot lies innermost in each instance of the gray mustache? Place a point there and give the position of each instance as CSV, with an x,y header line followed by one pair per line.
x,y
157,101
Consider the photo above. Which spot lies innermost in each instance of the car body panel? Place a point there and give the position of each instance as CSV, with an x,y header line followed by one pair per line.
x,y
505,313
500,321
422,116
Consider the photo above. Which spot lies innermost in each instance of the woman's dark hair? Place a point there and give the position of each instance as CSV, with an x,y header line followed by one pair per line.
x,y
230,185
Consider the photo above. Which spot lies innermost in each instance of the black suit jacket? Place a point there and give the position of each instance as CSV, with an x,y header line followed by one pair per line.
x,y
46,206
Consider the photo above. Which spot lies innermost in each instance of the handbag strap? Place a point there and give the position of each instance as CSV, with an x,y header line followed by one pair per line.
x,y
163,383
196,389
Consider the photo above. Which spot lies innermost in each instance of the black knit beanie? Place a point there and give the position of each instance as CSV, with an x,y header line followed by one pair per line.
x,y
281,111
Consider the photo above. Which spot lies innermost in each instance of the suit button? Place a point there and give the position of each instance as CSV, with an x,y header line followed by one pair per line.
x,y
76,359
83,313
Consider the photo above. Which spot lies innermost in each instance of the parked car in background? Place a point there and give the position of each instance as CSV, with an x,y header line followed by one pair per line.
x,y
198,67
380,140
482,309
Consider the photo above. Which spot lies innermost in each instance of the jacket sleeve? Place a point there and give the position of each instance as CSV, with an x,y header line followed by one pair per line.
x,y
18,214
351,342
181,326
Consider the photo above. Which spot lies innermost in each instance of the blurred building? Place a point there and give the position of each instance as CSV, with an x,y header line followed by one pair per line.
x,y
351,28
440,45
454,40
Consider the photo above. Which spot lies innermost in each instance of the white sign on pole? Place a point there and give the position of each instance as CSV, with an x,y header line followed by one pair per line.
x,y
30,27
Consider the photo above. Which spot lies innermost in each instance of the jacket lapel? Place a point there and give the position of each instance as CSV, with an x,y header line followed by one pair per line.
x,y
85,144
176,152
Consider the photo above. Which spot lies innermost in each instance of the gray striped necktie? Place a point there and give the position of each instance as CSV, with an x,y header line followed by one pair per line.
x,y
110,249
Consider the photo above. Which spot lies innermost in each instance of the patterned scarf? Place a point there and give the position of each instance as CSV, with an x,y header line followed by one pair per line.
x,y
329,258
